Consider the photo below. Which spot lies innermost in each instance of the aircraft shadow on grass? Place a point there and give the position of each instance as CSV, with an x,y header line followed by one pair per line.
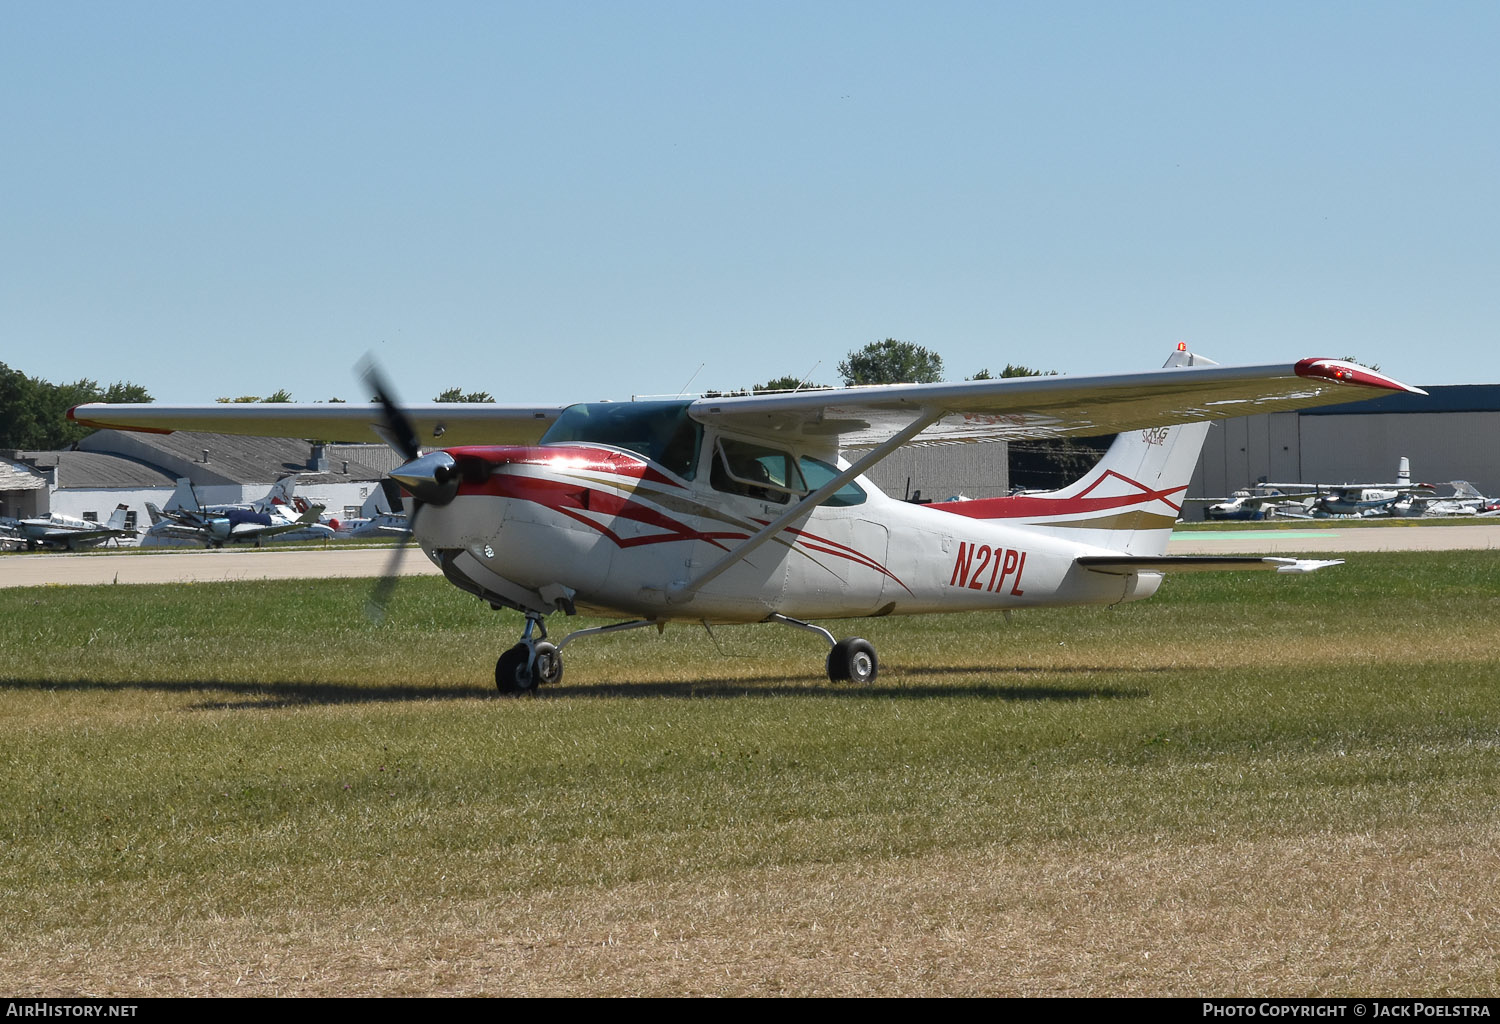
x,y
302,693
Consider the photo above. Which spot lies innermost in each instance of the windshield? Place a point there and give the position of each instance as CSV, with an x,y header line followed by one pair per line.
x,y
661,431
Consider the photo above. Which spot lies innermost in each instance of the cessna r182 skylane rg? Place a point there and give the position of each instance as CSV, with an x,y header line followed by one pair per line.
x,y
753,508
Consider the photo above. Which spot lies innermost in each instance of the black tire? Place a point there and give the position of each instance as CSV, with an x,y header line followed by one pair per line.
x,y
549,664
512,673
853,660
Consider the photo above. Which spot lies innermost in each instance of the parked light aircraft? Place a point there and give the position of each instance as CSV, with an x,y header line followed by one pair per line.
x,y
184,519
1400,498
1466,500
375,518
62,532
1250,503
753,508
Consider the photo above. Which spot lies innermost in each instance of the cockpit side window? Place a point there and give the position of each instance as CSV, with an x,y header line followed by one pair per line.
x,y
756,471
661,431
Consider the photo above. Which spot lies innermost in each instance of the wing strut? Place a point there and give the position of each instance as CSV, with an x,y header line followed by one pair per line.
x,y
685,589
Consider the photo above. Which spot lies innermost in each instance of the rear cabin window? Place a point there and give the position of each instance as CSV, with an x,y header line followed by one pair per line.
x,y
661,431
816,473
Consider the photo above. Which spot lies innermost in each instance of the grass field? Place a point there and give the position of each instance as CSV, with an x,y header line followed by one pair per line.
x,y
1251,784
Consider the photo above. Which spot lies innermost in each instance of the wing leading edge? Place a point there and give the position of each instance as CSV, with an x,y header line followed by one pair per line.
x,y
851,418
1033,407
436,423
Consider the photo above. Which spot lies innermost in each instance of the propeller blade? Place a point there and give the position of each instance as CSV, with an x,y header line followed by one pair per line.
x,y
397,429
397,432
385,586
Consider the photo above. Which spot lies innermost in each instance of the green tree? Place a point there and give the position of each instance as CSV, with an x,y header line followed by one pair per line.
x,y
787,383
459,395
34,412
891,362
1012,370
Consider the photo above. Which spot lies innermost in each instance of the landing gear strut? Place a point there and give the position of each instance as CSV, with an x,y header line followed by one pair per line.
x,y
851,660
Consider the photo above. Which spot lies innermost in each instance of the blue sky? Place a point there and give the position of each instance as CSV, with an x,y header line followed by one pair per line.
x,y
562,201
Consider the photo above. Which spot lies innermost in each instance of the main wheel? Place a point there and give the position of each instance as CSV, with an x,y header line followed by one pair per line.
x,y
512,673
853,660
549,666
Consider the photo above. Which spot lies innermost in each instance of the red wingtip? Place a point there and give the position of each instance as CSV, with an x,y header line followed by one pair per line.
x,y
1341,372
101,425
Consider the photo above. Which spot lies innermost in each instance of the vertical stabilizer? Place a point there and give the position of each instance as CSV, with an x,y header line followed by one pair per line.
x,y
184,497
118,518
1128,502
280,494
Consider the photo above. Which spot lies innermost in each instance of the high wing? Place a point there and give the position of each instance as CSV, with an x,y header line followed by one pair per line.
x,y
445,423
1256,500
850,418
1036,407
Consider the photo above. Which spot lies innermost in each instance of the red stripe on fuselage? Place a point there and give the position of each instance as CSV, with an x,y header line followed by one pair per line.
x,y
1033,506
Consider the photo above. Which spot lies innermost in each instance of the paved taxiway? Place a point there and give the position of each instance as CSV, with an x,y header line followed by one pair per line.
x,y
32,570
1318,538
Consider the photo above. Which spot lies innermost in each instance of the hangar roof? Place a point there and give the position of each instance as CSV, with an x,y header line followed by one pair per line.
x,y
244,459
14,477
99,470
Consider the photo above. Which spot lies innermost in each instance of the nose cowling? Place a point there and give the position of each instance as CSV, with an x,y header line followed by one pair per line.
x,y
432,478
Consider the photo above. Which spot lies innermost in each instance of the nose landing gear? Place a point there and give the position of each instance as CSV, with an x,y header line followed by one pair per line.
x,y
529,663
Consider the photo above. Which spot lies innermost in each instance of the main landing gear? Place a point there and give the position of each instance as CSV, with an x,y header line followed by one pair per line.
x,y
535,661
851,660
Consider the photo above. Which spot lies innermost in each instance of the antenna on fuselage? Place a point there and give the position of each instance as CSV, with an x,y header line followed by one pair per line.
x,y
691,379
807,376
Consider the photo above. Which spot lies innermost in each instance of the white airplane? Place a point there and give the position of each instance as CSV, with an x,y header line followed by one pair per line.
x,y
754,509
62,532
1261,501
1466,500
1400,498
375,520
184,520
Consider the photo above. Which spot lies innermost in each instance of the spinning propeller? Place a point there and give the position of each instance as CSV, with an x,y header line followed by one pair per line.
x,y
430,479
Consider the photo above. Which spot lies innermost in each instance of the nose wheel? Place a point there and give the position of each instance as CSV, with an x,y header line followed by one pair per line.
x,y
529,663
518,671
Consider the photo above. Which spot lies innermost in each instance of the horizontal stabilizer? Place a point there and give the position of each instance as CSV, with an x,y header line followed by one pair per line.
x,y
1124,565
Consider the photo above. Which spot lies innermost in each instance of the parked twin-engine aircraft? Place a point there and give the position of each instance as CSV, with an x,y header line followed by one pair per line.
x,y
754,509
65,533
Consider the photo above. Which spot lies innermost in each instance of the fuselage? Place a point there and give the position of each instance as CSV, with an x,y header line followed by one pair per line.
x,y
621,533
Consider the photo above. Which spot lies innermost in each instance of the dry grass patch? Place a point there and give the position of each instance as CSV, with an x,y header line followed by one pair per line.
x,y
1370,914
